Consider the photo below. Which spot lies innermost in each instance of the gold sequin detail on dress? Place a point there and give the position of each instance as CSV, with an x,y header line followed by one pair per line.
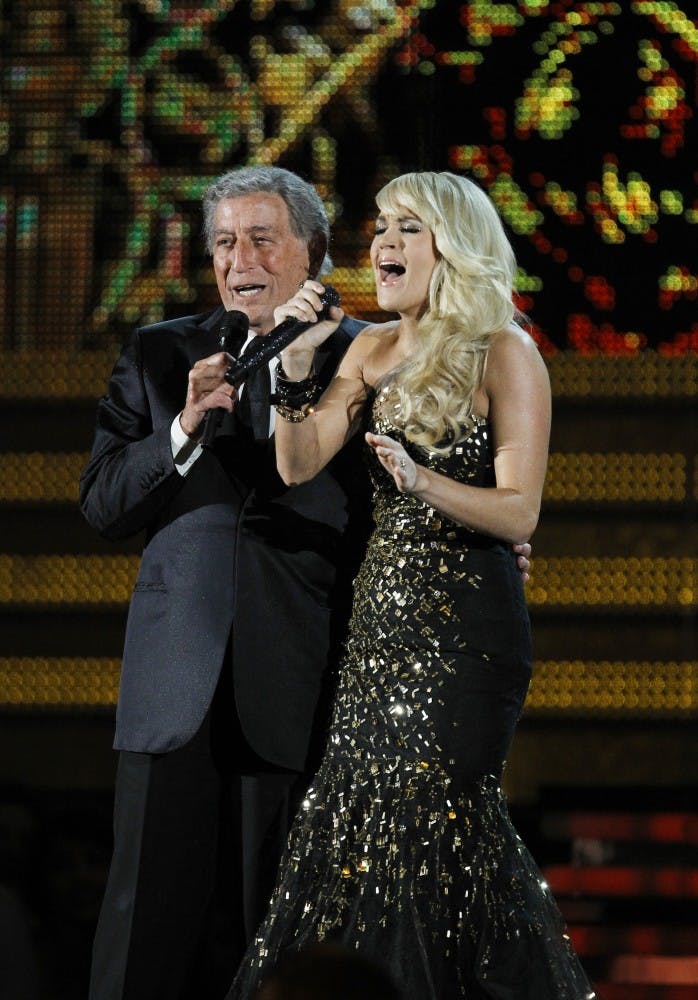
x,y
403,847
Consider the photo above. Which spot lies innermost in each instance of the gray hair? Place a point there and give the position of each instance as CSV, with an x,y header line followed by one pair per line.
x,y
309,221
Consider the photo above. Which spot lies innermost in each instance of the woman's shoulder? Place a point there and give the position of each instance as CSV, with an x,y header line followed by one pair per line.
x,y
512,337
379,330
370,338
511,344
366,346
513,353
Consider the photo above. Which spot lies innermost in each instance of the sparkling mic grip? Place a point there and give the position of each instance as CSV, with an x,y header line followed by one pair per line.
x,y
280,337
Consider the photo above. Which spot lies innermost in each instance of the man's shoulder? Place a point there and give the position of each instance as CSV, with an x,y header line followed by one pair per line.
x,y
348,328
352,326
185,337
339,341
181,324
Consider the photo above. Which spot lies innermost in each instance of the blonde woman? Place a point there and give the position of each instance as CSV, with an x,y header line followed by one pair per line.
x,y
403,848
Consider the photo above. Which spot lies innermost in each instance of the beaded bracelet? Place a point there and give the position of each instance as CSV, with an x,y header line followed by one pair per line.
x,y
294,395
293,415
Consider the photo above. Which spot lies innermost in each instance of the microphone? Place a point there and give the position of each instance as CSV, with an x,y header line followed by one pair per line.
x,y
232,332
281,336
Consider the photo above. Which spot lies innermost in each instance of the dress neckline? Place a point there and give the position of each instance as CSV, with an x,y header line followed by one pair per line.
x,y
375,390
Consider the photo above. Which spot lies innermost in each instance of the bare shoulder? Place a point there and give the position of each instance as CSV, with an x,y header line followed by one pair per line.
x,y
513,340
514,350
366,345
376,331
370,339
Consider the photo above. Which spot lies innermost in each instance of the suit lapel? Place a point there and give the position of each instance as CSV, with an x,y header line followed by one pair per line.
x,y
204,339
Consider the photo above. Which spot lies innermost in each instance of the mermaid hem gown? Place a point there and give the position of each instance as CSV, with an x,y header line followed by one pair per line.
x,y
403,848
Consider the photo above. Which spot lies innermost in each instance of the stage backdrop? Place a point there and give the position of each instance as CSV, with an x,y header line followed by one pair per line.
x,y
575,117
579,120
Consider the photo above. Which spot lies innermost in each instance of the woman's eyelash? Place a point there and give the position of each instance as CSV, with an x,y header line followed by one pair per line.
x,y
403,229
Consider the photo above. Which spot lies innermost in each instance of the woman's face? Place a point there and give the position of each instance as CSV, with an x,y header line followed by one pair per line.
x,y
403,258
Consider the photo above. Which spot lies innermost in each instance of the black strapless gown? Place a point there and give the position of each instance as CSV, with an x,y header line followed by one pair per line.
x,y
403,847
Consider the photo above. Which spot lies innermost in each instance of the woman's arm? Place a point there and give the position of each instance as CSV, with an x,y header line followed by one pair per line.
x,y
517,386
305,447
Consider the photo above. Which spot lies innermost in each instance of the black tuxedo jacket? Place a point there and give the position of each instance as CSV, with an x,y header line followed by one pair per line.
x,y
230,551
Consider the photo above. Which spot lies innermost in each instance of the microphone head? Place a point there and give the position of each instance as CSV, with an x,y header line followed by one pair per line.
x,y
235,320
233,329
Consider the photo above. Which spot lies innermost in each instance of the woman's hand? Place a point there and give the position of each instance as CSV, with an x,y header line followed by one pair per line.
x,y
297,358
396,461
407,475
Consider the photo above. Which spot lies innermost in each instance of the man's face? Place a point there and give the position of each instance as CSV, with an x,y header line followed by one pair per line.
x,y
258,262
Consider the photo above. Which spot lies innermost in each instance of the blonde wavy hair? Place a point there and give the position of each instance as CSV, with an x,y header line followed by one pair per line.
x,y
469,300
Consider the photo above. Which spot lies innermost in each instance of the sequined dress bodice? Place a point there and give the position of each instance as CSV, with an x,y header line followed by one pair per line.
x,y
434,605
403,847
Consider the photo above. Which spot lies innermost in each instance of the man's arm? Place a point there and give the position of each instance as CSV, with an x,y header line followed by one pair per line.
x,y
131,473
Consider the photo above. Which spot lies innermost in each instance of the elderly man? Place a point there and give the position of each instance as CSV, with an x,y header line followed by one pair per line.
x,y
230,626
236,613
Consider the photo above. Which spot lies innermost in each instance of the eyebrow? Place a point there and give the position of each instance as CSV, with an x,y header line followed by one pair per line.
x,y
402,218
251,229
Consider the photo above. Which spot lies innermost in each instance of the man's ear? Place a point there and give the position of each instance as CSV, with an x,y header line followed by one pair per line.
x,y
317,248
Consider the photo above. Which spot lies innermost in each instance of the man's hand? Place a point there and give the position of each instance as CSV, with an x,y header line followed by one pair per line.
x,y
297,358
207,390
523,561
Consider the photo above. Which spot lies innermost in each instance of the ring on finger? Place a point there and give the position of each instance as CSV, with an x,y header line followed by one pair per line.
x,y
402,463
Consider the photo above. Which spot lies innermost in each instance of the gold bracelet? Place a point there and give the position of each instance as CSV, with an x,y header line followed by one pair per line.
x,y
293,416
